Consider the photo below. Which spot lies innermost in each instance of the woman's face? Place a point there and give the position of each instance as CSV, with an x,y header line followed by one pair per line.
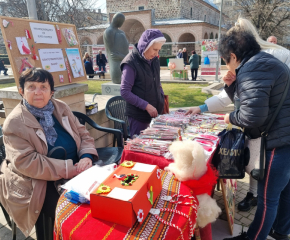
x,y
37,94
233,64
153,51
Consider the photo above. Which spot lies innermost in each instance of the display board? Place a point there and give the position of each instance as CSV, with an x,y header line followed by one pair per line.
x,y
209,57
229,188
52,46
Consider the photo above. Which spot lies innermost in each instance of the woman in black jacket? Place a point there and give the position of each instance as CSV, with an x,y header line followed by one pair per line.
x,y
260,82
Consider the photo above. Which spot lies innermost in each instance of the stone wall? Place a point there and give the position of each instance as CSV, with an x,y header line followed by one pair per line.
x,y
199,10
169,9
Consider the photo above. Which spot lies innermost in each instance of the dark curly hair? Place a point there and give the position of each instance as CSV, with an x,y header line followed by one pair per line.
x,y
36,75
239,42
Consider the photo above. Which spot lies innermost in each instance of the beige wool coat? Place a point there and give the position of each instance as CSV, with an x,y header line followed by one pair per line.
x,y
26,169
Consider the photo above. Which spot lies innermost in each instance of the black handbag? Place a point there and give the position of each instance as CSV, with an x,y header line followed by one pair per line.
x,y
258,174
229,158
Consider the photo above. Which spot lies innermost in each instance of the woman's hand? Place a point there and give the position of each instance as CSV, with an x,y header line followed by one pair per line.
x,y
227,118
229,78
151,110
84,164
193,111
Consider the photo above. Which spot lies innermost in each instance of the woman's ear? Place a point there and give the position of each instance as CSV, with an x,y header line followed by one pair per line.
x,y
20,90
234,57
51,94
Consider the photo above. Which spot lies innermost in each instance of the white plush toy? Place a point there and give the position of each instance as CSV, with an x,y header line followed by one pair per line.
x,y
190,163
189,160
208,210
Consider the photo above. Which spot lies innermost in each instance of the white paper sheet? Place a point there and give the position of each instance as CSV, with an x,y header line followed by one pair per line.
x,y
20,42
52,59
122,194
89,180
142,167
44,33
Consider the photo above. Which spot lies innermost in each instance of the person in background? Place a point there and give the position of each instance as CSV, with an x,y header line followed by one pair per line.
x,y
222,100
194,64
179,54
140,85
101,61
3,68
88,58
38,125
272,39
89,69
185,56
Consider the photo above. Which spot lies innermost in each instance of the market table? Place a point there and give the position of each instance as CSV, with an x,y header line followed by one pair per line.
x,y
204,185
74,221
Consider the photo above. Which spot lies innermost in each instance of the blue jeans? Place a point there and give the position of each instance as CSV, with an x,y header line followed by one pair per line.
x,y
104,67
273,208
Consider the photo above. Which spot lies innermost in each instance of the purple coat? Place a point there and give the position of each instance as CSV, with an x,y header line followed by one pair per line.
x,y
129,74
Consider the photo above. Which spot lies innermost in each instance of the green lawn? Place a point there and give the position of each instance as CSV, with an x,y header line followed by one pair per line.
x,y
185,95
180,95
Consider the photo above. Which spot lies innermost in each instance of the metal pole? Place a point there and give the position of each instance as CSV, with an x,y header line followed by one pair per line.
x,y
219,36
31,8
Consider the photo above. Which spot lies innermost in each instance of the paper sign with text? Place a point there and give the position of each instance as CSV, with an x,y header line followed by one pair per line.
x,y
44,33
52,59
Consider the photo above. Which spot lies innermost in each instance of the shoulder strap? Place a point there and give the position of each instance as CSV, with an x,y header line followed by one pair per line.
x,y
265,133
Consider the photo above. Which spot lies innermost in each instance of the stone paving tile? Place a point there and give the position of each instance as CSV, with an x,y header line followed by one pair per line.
x,y
242,218
251,217
6,233
245,221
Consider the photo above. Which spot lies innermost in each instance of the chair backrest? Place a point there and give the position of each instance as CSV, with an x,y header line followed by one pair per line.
x,y
116,107
2,147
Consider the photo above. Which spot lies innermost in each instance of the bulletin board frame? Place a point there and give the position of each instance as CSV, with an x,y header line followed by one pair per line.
x,y
17,27
229,188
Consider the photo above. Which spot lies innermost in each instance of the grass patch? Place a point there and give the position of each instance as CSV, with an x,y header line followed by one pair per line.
x,y
180,95
5,85
95,86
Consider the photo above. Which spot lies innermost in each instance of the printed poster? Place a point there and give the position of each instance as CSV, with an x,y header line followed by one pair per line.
x,y
44,33
209,57
52,59
23,46
75,62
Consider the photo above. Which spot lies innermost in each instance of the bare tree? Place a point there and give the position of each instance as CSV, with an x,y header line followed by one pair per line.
x,y
77,12
270,17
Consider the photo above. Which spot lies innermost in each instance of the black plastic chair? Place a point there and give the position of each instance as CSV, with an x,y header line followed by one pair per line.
x,y
115,111
107,155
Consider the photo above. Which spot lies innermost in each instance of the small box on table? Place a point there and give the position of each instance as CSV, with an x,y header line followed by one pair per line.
x,y
131,196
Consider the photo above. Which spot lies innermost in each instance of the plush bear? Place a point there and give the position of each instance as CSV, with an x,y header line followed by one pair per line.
x,y
189,160
190,163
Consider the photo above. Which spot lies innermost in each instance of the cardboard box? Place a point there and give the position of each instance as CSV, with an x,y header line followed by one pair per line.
x,y
115,207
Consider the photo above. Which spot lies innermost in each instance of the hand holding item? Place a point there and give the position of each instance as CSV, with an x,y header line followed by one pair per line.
x,y
227,118
151,110
83,164
193,111
229,78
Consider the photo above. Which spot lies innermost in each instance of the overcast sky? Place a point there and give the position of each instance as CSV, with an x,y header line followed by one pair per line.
x,y
101,4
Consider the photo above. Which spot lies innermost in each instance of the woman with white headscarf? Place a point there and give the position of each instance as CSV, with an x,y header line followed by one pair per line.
x,y
140,84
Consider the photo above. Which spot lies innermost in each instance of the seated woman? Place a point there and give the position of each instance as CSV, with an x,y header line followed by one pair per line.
x,y
89,69
36,125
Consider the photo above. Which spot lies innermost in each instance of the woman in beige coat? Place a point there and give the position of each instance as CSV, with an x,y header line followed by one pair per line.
x,y
36,125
